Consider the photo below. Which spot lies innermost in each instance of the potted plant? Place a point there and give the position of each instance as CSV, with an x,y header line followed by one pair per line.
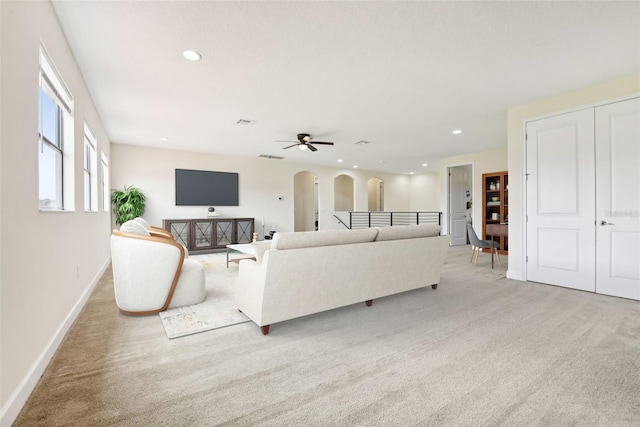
x,y
127,204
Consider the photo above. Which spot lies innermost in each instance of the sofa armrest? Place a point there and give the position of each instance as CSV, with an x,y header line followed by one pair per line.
x,y
249,289
160,232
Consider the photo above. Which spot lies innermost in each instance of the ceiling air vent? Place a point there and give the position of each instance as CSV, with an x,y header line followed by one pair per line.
x,y
269,156
246,122
362,142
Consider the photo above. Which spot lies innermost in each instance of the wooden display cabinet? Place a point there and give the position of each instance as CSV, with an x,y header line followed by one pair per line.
x,y
210,233
495,205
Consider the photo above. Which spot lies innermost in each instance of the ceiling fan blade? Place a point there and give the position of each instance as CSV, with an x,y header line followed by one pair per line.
x,y
290,146
312,148
321,142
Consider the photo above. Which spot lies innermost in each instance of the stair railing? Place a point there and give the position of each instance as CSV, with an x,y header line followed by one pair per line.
x,y
358,220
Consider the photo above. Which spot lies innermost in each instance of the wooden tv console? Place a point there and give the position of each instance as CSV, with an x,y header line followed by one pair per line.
x,y
210,233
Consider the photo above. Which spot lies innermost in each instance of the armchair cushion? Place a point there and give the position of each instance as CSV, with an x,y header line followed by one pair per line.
x,y
134,227
142,222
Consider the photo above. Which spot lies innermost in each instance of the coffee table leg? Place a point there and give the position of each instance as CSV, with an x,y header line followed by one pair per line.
x,y
227,257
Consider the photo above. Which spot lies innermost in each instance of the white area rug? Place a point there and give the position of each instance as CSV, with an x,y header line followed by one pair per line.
x,y
218,309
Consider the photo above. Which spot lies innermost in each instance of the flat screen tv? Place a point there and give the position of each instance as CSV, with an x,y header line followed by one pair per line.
x,y
206,188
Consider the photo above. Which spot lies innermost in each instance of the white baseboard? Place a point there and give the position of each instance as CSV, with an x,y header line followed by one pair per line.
x,y
515,275
18,398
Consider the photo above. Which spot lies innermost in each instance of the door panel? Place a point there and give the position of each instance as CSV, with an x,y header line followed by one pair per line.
x,y
560,200
558,249
618,199
458,207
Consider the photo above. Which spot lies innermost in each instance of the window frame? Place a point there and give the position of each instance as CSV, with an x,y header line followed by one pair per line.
x,y
51,85
106,193
90,170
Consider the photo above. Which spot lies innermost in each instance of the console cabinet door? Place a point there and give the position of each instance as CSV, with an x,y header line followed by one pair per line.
x,y
180,230
244,230
224,232
203,236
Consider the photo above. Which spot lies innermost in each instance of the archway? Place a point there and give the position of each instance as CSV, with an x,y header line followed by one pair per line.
x,y
375,190
343,193
305,201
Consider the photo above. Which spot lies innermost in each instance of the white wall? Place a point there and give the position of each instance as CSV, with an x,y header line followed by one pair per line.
x,y
516,118
425,192
262,182
50,260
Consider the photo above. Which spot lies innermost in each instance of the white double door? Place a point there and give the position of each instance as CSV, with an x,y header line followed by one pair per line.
x,y
583,199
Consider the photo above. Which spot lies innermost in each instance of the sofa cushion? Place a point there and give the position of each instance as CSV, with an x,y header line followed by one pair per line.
x,y
134,227
312,239
407,232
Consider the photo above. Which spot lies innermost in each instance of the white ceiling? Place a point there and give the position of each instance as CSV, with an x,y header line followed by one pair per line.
x,y
401,75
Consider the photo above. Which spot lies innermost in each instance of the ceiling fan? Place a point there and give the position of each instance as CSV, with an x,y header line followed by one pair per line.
x,y
305,142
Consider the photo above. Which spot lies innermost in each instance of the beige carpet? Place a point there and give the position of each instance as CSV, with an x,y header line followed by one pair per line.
x,y
218,310
480,350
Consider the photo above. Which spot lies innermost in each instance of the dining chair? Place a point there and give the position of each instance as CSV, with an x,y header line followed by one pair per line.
x,y
477,245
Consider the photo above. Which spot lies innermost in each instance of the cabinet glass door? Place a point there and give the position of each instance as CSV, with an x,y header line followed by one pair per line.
x,y
180,232
202,234
224,233
244,230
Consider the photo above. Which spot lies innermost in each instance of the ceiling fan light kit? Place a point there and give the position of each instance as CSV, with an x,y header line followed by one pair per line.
x,y
305,142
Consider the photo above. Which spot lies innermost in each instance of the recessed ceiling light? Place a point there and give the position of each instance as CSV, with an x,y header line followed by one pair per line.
x,y
339,160
457,132
192,55
410,173
162,138
425,165
355,166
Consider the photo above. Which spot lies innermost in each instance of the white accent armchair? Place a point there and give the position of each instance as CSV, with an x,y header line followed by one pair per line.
x,y
151,274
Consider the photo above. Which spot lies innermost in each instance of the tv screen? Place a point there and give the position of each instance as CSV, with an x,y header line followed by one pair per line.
x,y
206,188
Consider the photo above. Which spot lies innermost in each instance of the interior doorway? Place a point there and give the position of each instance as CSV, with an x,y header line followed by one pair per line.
x,y
460,201
305,201
375,198
343,193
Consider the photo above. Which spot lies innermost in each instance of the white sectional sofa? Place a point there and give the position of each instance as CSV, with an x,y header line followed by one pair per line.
x,y
302,273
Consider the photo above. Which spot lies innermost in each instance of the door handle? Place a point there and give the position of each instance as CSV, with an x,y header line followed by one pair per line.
x,y
603,222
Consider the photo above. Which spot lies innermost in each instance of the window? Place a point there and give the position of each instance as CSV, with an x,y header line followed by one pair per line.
x,y
106,194
90,170
55,139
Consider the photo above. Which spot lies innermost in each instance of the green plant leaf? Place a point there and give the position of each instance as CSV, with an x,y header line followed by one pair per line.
x,y
127,204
